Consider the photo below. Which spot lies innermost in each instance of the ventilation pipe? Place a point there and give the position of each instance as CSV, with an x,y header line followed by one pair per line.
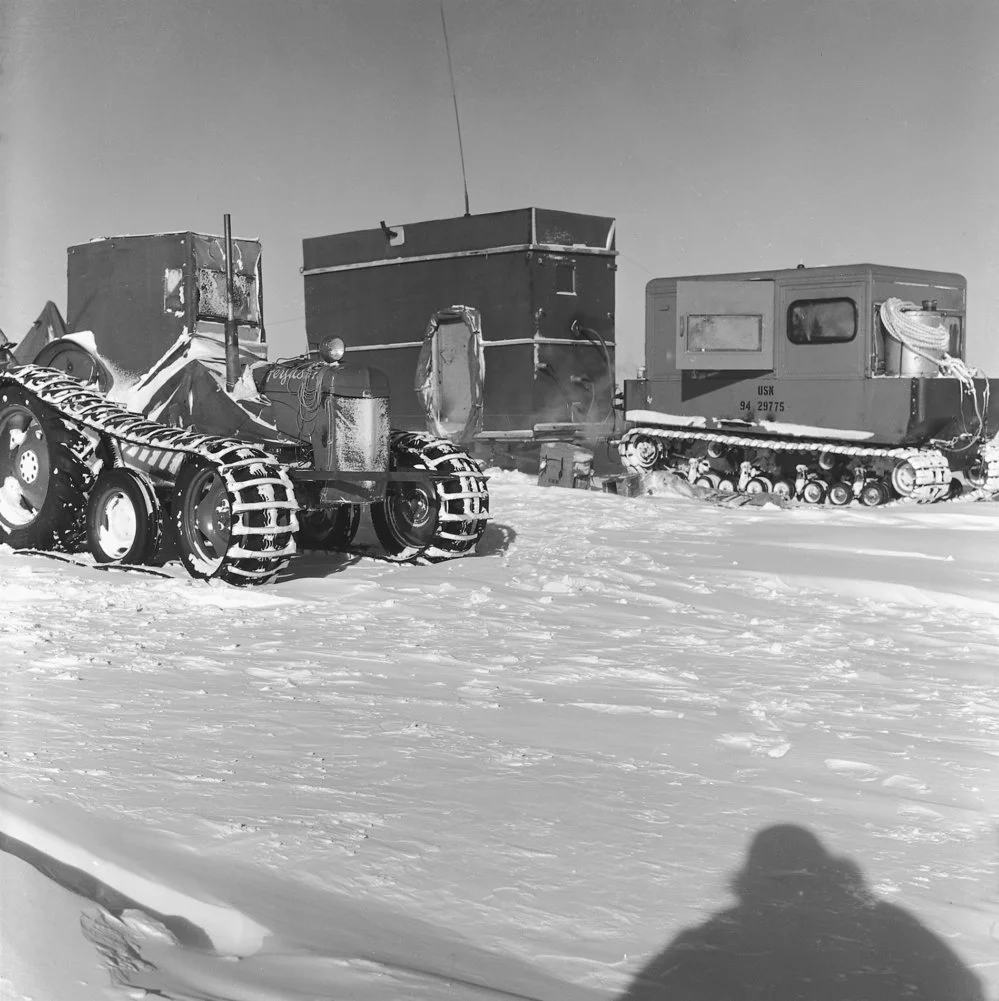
x,y
231,335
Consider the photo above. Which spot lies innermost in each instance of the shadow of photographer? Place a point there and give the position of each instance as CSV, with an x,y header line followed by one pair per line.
x,y
805,928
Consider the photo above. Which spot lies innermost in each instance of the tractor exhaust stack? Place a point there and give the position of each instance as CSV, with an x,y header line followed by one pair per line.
x,y
231,336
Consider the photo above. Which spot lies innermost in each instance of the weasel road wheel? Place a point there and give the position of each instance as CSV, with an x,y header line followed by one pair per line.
x,y
431,520
123,518
758,485
840,493
45,474
874,493
813,492
329,529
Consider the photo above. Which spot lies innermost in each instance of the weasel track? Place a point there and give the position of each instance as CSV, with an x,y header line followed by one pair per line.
x,y
643,449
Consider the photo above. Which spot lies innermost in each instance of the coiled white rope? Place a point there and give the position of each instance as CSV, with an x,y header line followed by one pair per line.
x,y
931,343
914,334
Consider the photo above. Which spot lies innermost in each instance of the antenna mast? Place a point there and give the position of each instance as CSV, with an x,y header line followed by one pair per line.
x,y
457,120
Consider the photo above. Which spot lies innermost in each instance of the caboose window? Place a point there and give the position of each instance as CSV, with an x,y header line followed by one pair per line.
x,y
212,302
822,321
565,279
724,332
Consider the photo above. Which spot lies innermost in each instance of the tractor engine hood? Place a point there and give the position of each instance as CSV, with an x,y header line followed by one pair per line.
x,y
294,376
341,410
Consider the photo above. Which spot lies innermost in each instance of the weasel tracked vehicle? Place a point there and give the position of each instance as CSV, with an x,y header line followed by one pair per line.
x,y
826,385
151,421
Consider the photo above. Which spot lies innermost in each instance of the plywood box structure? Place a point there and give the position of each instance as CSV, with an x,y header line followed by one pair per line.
x,y
541,284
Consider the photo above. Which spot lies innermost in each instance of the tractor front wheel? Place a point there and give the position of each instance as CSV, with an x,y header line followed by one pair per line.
x,y
405,522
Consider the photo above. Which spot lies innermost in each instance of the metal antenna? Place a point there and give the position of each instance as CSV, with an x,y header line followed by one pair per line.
x,y
457,120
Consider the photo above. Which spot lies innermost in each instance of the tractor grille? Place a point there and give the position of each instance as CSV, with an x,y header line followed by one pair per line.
x,y
361,434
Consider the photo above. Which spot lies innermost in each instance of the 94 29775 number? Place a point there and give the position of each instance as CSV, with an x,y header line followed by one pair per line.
x,y
762,406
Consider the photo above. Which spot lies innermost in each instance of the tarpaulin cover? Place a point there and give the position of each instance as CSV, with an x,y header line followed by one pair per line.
x,y
194,398
48,327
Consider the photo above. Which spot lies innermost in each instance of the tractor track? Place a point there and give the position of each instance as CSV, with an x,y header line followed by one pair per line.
x,y
260,492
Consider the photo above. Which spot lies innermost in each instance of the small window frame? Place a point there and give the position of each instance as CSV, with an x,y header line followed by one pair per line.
x,y
800,341
210,295
723,297
561,268
698,330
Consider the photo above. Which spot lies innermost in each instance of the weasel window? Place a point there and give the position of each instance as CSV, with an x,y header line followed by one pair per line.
x,y
822,321
724,332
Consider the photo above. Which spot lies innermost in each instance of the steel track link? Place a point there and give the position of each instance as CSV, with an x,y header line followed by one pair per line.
x,y
932,471
261,495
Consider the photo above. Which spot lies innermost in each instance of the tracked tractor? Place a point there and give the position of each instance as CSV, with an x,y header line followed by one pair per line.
x,y
151,421
833,385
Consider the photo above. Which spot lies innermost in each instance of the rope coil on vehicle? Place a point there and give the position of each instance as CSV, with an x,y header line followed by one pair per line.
x,y
914,334
931,343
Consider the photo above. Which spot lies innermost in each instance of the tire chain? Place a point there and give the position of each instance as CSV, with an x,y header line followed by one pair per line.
x,y
930,465
462,512
258,486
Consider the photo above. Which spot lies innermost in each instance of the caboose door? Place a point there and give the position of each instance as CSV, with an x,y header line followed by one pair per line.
x,y
453,371
823,330
450,372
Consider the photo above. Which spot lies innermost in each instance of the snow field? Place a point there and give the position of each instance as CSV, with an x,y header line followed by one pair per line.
x,y
560,751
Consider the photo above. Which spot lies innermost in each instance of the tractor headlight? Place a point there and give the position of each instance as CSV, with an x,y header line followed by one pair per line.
x,y
903,478
332,349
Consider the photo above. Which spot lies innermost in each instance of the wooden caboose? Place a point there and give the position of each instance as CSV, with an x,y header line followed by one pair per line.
x,y
539,284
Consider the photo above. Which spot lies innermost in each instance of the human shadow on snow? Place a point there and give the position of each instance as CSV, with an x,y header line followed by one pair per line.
x,y
805,928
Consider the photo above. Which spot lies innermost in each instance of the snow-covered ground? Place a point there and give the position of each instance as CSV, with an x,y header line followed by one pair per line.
x,y
751,752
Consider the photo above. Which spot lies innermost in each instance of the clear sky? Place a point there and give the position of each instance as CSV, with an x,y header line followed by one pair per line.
x,y
722,134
